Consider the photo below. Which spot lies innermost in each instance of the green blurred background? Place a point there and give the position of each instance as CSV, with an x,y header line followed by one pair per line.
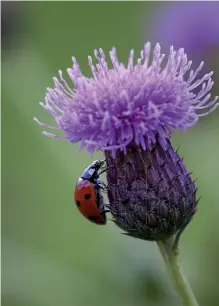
x,y
51,254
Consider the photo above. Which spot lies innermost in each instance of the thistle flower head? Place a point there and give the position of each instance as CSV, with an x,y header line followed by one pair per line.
x,y
122,104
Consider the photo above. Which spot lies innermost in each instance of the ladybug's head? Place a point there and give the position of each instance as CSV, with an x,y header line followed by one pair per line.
x,y
91,172
97,164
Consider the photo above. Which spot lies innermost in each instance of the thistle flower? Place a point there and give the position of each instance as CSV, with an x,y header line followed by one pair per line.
x,y
129,113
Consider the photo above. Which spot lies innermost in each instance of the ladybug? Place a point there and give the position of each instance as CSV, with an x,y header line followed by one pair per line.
x,y
88,197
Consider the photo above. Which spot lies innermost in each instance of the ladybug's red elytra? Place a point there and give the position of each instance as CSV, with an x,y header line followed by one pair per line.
x,y
88,197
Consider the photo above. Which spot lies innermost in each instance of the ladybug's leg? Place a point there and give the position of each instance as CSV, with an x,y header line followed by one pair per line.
x,y
104,170
102,185
103,188
106,210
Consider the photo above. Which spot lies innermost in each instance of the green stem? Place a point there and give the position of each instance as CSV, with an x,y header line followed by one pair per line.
x,y
181,284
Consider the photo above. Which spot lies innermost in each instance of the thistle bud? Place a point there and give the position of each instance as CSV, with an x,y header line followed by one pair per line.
x,y
151,194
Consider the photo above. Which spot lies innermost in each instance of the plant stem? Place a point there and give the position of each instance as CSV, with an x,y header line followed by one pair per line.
x,y
171,258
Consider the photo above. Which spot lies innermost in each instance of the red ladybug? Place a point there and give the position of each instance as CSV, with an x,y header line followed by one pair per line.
x,y
88,197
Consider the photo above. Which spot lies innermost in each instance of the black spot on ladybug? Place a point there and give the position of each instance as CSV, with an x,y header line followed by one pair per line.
x,y
78,203
87,196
